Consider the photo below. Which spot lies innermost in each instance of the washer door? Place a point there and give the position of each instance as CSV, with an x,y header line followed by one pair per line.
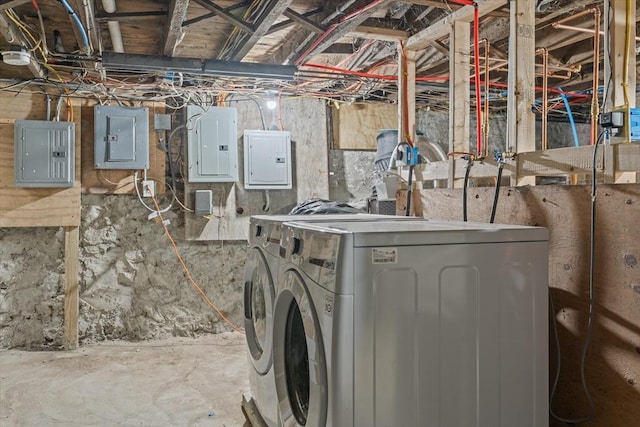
x,y
259,296
298,356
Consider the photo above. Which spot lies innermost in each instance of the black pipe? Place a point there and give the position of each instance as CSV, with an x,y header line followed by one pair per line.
x,y
464,189
497,193
409,184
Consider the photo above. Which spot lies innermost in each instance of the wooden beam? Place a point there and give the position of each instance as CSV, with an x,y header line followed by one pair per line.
x,y
129,16
8,4
406,94
212,14
71,289
521,125
11,34
174,32
272,12
338,30
379,33
440,29
230,18
620,83
289,22
459,93
303,20
435,3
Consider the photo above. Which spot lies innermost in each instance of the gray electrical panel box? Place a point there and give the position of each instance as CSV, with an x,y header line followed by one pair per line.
x,y
212,146
44,153
267,159
204,202
121,137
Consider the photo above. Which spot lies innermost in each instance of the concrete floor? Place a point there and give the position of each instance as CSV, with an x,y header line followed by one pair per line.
x,y
177,382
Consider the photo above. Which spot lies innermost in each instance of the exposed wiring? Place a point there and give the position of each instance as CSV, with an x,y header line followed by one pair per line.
x,y
43,33
76,19
150,209
267,201
587,340
187,273
264,125
565,100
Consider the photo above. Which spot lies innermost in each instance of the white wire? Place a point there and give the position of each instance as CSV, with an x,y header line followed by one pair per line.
x,y
135,184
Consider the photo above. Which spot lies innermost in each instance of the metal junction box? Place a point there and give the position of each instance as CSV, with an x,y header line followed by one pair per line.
x,y
267,159
44,153
121,137
212,146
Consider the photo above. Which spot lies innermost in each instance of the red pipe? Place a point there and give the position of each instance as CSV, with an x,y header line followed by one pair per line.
x,y
476,55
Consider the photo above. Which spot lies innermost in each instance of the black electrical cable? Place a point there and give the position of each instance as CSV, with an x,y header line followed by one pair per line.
x,y
464,188
497,193
407,212
587,340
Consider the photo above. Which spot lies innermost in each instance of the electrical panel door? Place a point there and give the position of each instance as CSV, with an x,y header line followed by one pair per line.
x,y
212,147
44,153
121,137
267,159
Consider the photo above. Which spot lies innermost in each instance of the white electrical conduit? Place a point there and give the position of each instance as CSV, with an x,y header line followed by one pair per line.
x,y
109,6
116,36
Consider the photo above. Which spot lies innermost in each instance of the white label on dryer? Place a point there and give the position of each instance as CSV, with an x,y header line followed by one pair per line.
x,y
384,255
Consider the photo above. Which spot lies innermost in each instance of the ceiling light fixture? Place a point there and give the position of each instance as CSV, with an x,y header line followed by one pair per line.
x,y
16,56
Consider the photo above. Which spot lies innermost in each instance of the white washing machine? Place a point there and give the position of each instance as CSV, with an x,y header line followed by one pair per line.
x,y
260,288
421,323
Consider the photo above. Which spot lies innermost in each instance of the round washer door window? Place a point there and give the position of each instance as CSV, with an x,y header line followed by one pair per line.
x,y
298,356
258,310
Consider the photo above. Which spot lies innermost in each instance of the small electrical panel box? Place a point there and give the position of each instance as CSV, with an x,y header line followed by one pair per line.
x,y
212,146
204,202
267,159
162,121
44,153
634,124
121,137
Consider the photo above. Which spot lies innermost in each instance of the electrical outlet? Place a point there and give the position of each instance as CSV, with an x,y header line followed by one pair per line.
x,y
148,188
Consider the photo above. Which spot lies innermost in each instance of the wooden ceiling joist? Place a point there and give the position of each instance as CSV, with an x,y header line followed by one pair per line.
x,y
303,20
12,35
212,14
8,4
230,18
129,16
322,41
289,22
441,28
273,11
174,32
379,33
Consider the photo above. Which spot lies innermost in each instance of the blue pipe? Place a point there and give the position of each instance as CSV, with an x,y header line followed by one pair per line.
x,y
565,99
83,32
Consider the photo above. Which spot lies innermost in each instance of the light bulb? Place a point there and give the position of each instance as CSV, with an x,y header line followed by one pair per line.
x,y
272,104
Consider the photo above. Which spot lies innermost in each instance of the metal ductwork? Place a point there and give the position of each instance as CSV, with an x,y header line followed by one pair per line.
x,y
212,67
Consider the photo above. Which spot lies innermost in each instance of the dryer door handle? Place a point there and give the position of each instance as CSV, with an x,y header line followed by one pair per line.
x,y
248,289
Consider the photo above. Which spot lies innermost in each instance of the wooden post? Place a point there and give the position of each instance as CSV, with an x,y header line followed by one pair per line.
x,y
459,93
71,244
406,93
615,75
521,82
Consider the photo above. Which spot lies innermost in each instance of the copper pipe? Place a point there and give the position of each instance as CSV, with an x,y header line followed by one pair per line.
x,y
545,97
577,15
485,129
580,29
595,107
